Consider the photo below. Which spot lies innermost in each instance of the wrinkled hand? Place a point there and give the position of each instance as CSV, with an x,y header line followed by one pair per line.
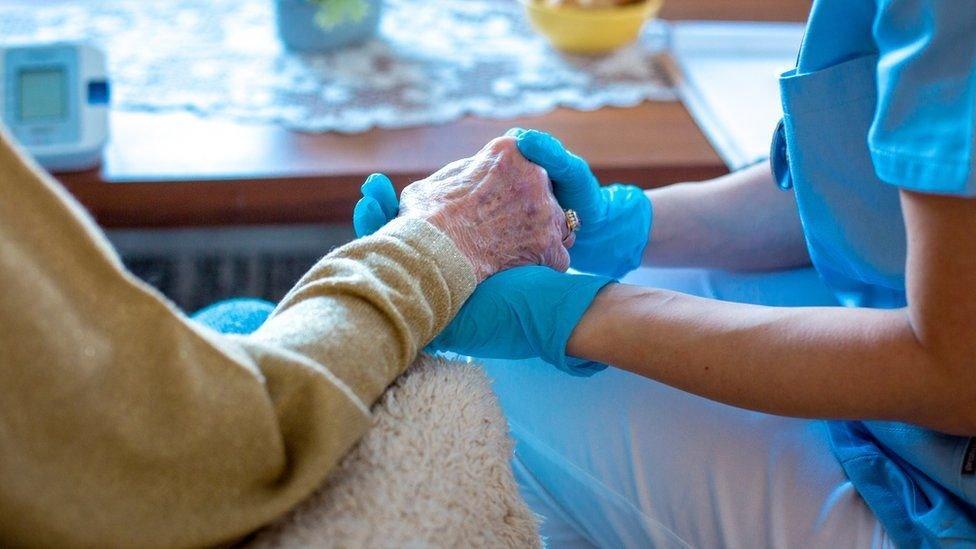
x,y
496,206
519,313
616,219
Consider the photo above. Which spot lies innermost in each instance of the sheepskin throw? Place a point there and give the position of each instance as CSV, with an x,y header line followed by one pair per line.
x,y
433,471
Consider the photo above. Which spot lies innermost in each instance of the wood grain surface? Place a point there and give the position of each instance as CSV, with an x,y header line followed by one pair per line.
x,y
181,170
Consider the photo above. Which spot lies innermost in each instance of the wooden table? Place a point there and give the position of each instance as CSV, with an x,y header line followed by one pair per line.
x,y
165,170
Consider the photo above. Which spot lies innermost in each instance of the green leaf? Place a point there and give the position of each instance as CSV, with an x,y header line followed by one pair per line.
x,y
332,13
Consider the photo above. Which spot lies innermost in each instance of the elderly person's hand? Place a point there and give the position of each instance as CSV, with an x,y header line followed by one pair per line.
x,y
519,313
523,312
496,206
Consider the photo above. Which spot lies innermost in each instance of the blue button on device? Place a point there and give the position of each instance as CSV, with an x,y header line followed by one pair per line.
x,y
54,100
98,93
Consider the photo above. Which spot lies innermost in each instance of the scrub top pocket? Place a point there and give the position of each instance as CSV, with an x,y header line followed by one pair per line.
x,y
852,220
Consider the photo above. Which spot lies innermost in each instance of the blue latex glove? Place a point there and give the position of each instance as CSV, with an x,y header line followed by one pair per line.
x,y
519,313
377,207
615,220
522,313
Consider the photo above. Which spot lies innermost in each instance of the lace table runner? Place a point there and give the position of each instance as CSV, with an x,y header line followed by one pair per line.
x,y
434,61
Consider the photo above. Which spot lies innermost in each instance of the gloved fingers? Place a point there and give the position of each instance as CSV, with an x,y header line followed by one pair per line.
x,y
367,216
567,170
380,188
515,132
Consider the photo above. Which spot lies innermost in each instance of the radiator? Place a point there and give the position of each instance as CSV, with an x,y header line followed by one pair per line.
x,y
196,267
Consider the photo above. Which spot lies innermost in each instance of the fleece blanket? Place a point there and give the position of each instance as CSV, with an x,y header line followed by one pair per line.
x,y
434,471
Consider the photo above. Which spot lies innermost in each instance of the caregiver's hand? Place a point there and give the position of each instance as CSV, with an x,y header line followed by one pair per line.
x,y
616,219
524,312
496,206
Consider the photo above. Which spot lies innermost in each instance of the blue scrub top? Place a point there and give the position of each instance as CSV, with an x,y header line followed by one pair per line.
x,y
883,98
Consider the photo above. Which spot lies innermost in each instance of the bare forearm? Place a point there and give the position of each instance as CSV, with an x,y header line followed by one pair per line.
x,y
806,362
737,222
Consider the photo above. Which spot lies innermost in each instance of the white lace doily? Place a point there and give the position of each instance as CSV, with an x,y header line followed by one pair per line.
x,y
434,61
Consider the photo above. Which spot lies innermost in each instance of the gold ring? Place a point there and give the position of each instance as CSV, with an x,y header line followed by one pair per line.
x,y
572,221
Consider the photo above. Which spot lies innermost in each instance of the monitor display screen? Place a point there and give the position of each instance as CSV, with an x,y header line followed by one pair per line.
x,y
43,94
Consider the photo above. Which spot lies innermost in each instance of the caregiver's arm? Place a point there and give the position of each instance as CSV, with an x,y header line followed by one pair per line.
x,y
741,221
913,365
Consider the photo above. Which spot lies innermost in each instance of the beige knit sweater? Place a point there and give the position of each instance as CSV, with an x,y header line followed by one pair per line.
x,y
122,423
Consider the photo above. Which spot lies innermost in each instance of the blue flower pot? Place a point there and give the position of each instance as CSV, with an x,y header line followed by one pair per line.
x,y
299,32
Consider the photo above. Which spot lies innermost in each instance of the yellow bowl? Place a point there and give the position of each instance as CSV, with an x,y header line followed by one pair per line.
x,y
590,30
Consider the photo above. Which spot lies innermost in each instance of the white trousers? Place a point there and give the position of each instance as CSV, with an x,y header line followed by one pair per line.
x,y
617,460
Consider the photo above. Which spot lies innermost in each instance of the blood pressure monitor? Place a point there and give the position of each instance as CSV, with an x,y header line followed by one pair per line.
x,y
54,100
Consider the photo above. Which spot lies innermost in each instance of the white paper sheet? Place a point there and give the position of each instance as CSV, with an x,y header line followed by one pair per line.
x,y
727,75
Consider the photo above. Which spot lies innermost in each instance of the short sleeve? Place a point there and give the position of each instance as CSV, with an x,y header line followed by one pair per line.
x,y
922,134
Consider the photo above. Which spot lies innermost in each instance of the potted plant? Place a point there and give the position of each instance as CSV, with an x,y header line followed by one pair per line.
x,y
324,25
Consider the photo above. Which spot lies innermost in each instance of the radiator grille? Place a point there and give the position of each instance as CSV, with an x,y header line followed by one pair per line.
x,y
197,281
196,267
